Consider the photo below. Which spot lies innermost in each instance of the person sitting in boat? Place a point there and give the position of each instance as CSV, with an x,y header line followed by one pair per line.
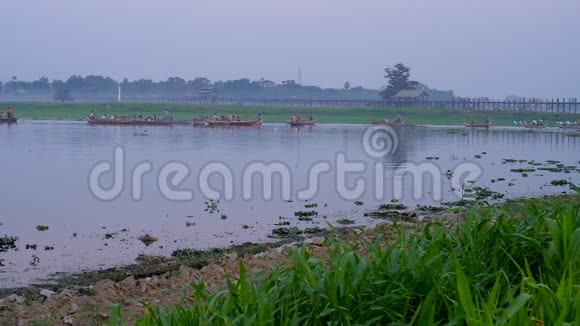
x,y
310,117
104,117
398,119
1,115
9,113
113,117
92,115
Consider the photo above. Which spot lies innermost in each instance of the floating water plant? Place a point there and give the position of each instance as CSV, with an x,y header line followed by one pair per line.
x,y
522,170
313,230
345,221
306,213
7,243
561,182
392,206
212,206
284,232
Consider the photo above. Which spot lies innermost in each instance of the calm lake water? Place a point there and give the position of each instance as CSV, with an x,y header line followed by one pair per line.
x,y
45,171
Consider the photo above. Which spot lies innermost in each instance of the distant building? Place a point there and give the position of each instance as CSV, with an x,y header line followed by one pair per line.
x,y
206,92
416,94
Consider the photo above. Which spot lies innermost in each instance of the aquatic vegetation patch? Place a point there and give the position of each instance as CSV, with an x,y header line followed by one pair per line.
x,y
286,232
523,170
42,227
483,193
554,170
345,221
561,182
33,246
312,205
212,206
7,243
392,206
313,230
306,213
427,208
198,258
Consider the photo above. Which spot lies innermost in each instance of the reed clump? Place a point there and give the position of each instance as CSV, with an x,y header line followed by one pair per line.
x,y
517,264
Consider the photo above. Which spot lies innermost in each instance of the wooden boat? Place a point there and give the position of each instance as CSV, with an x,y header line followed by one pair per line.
x,y
251,123
200,123
8,120
301,123
533,126
158,122
477,124
257,122
218,123
109,122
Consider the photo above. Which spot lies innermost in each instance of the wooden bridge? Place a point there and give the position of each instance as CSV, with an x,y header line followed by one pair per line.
x,y
553,105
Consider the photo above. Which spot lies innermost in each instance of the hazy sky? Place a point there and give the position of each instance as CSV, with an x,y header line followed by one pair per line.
x,y
476,47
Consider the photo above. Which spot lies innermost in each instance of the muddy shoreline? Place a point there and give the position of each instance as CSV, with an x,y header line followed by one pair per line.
x,y
149,266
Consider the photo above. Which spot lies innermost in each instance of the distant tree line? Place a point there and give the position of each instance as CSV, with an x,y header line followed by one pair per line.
x,y
79,87
102,87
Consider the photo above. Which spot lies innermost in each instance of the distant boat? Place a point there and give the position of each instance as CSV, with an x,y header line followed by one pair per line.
x,y
200,123
95,121
250,123
534,126
477,124
301,123
8,120
257,122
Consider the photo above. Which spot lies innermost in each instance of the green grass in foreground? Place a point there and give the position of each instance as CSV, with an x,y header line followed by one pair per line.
x,y
514,265
79,111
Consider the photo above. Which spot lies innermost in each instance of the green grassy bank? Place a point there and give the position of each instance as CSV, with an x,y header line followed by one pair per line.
x,y
517,264
78,111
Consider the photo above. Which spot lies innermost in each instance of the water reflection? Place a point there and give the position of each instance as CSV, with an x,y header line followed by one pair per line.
x,y
46,166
